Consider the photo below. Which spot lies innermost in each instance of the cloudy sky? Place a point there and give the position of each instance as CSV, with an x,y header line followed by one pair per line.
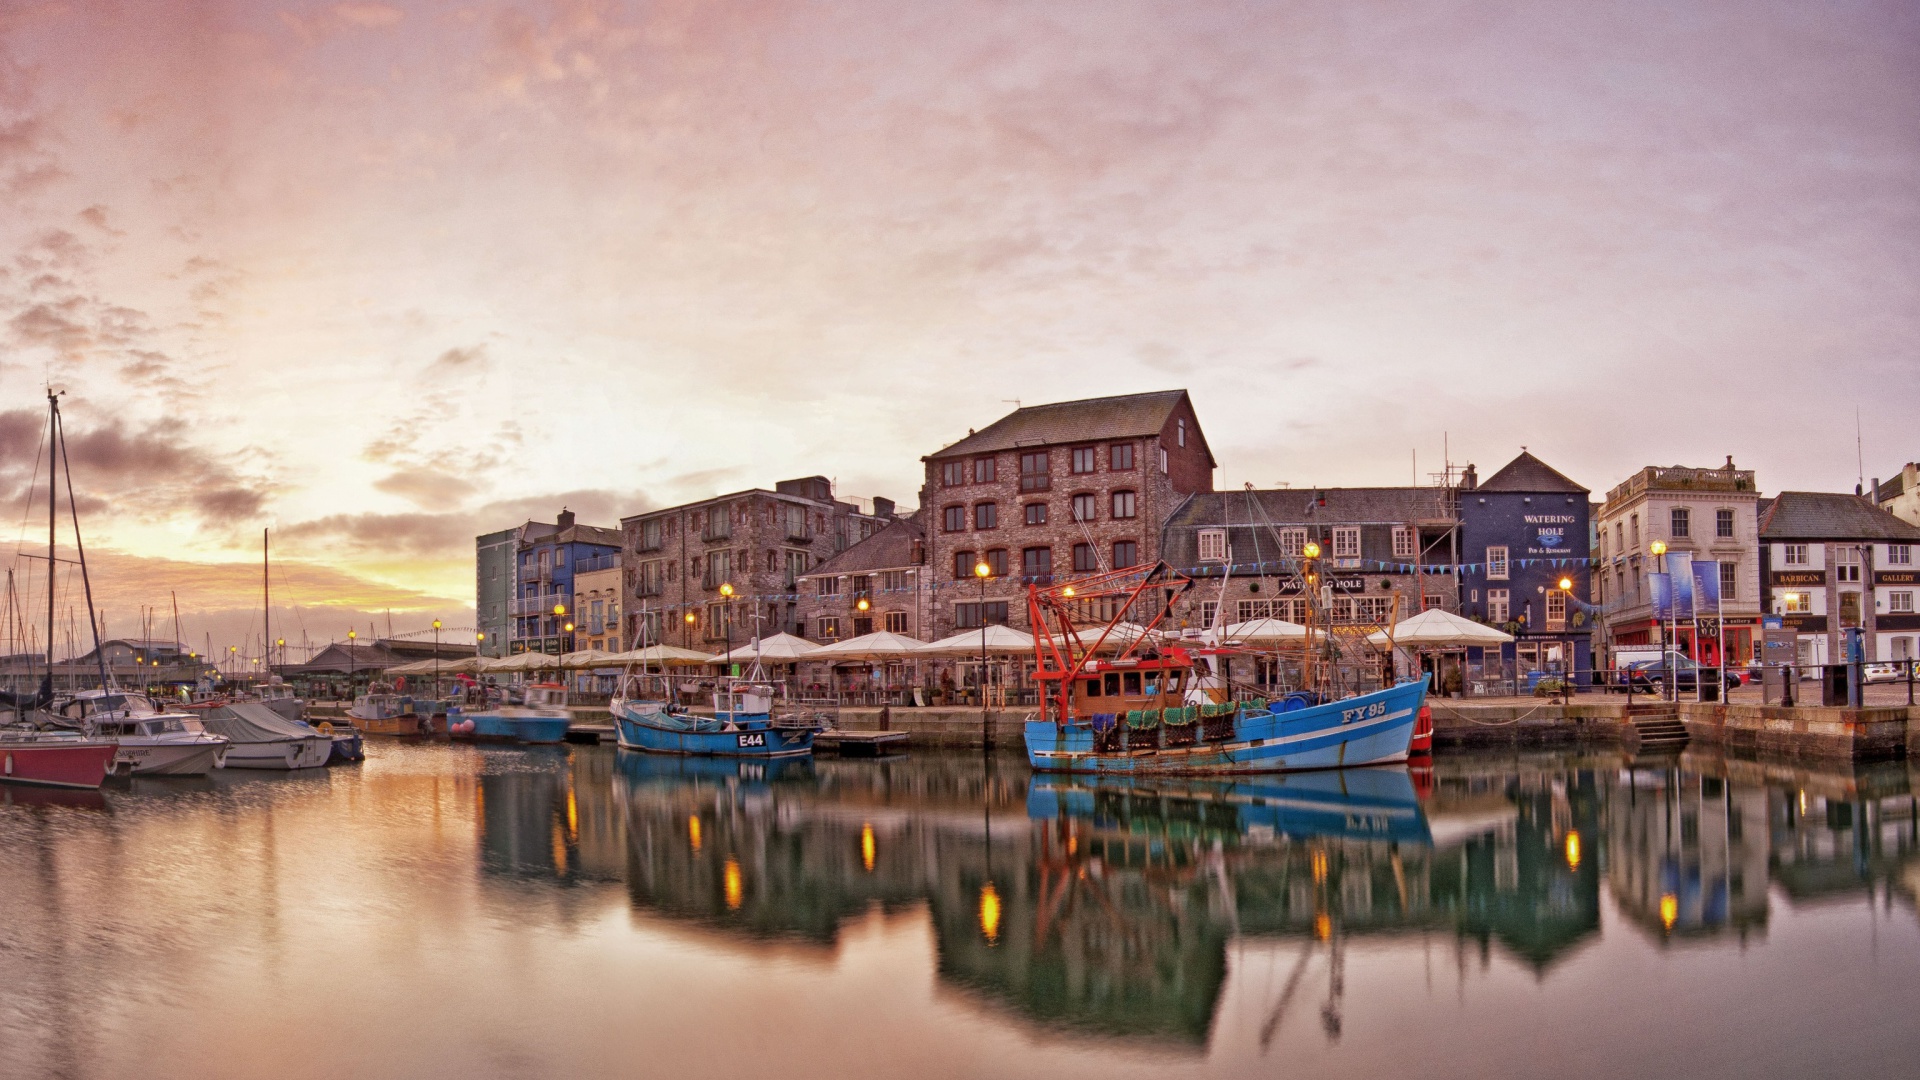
x,y
381,276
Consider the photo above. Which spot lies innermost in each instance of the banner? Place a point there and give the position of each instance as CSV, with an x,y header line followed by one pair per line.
x,y
1680,569
1706,587
1660,591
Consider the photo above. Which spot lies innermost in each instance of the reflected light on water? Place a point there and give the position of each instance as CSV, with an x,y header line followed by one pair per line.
x,y
1322,926
1319,868
1669,910
1573,850
866,847
731,880
693,833
990,913
573,815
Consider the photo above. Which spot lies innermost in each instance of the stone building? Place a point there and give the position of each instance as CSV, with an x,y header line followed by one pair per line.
x,y
757,542
1833,562
877,584
596,597
1378,546
1050,492
1701,515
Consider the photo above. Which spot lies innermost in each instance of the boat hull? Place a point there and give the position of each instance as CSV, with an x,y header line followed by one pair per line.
x,y
1371,729
348,747
281,754
500,727
63,764
749,739
170,759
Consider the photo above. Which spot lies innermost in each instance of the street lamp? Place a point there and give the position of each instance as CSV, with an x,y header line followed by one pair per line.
x,y
352,636
1669,683
726,593
436,659
982,572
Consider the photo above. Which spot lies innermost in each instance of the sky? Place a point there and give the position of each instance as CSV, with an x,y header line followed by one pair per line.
x,y
381,276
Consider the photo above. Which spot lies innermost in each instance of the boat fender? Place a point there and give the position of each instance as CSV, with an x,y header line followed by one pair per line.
x,y
326,728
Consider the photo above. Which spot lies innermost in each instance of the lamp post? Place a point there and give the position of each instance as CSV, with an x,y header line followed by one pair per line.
x,y
1669,687
352,636
1310,551
726,593
558,611
982,571
436,659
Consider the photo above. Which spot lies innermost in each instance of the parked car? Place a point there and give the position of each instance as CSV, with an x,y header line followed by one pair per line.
x,y
1891,671
1651,675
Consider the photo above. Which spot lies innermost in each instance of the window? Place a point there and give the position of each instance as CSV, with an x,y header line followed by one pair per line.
x,y
1083,560
1123,504
1634,520
984,470
1346,542
826,586
1213,545
1036,513
974,615
1681,520
862,585
954,519
1180,432
796,565
1556,609
953,473
986,515
1163,459
897,622
1372,609
1083,459
1793,554
1249,610
1120,457
719,568
1796,602
894,581
1846,563
1497,605
1403,545
1497,564
1430,601
1900,601
1125,553
1729,580
1209,611
962,565
1292,542
997,562
829,629
1723,523
862,625
1037,562
1034,475
1899,554
650,535
1085,505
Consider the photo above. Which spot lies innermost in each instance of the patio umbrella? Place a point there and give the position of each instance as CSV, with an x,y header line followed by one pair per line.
x,y
1122,635
586,659
1264,632
523,662
775,649
1000,641
881,645
665,655
1439,629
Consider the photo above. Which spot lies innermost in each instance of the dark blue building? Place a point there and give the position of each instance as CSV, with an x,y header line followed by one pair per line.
x,y
549,556
1523,533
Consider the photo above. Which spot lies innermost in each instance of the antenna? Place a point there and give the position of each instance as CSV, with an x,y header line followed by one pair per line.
x,y
1859,452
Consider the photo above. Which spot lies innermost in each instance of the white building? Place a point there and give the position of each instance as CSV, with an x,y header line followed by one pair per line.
x,y
1836,561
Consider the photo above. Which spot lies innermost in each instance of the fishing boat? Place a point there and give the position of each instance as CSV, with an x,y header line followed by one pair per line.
x,y
262,739
538,716
382,711
647,718
1145,711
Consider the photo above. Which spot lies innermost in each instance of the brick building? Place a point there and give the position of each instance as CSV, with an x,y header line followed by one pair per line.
x,y
887,571
1055,491
1377,545
759,542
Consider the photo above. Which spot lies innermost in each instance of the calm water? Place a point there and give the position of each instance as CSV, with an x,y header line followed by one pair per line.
x,y
446,911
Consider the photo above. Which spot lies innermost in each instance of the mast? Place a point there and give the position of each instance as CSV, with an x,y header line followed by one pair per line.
x,y
53,511
99,653
266,604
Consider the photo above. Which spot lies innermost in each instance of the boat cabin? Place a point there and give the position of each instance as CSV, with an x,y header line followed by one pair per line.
x,y
92,704
546,696
122,728
1118,686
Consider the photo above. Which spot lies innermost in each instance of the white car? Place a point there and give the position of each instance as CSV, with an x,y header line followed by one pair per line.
x,y
1887,671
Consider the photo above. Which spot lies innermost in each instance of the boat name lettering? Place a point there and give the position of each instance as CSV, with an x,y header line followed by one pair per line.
x,y
758,738
1364,712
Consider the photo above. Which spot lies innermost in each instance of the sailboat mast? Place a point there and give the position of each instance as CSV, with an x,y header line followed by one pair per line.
x,y
80,550
53,519
266,603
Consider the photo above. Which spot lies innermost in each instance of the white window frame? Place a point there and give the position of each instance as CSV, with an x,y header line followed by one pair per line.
x,y
1292,543
1556,609
1796,602
1404,546
1899,554
1729,580
1213,545
1249,610
1900,601
1499,566
1346,541
1499,606
1794,555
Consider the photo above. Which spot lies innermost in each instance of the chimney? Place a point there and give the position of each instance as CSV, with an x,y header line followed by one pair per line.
x,y
1729,462
565,520
882,507
1469,478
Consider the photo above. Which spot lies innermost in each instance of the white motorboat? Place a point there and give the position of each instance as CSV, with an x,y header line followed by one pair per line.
x,y
263,739
280,697
162,745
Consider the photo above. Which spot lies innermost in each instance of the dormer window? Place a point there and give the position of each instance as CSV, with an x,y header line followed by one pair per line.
x,y
1213,545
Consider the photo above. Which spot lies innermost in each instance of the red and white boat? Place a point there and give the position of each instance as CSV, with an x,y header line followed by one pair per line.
x,y
54,759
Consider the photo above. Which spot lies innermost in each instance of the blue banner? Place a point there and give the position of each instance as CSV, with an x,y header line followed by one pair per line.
x,y
1706,587
1660,591
1680,568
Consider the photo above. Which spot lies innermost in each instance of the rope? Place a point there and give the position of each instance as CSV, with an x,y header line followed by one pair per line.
x,y
1489,723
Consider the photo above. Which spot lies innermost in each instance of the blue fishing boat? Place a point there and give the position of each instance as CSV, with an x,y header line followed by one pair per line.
x,y
743,724
1151,710
539,716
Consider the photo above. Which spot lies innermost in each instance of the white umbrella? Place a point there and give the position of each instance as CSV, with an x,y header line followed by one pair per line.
x,y
1121,636
666,655
1439,629
1000,641
586,659
1264,631
524,662
882,645
777,649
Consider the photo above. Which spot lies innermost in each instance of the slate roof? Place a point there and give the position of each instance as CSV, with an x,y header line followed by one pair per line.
x,y
590,534
340,658
1894,488
1127,416
892,548
1820,515
1529,474
1246,522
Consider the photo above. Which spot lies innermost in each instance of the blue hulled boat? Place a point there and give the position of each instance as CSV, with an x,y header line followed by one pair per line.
x,y
540,717
742,726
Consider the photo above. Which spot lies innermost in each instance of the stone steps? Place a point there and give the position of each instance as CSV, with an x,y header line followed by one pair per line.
x,y
1657,726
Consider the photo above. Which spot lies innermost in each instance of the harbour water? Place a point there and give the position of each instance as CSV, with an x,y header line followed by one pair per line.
x,y
450,911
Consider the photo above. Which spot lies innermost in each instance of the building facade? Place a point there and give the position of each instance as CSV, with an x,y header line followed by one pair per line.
x,y
681,562
494,588
1900,496
877,584
544,610
1051,492
1386,553
1700,515
596,596
1524,532
1834,562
